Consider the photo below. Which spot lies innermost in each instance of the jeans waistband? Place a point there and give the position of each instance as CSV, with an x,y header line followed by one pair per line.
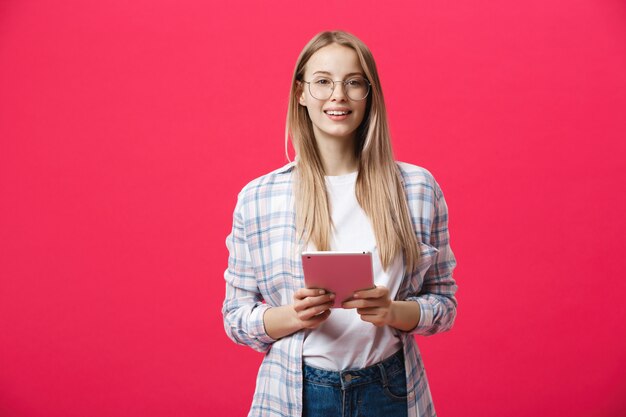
x,y
352,377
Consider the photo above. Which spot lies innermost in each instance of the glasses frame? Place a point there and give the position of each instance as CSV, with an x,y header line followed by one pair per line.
x,y
369,88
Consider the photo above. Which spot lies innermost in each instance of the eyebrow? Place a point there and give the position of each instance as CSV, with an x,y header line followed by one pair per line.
x,y
347,75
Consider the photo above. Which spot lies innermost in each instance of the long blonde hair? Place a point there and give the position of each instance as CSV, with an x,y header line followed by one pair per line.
x,y
379,188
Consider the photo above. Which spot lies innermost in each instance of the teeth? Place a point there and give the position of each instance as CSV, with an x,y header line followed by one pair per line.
x,y
336,113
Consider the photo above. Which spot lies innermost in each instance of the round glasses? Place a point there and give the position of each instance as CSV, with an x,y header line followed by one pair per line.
x,y
321,88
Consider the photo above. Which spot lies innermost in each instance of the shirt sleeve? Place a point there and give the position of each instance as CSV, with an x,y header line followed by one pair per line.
x,y
436,296
243,306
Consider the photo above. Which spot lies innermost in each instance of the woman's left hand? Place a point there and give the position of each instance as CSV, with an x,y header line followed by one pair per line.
x,y
374,305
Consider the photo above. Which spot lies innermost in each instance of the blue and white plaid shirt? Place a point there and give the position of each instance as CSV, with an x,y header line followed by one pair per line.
x,y
264,270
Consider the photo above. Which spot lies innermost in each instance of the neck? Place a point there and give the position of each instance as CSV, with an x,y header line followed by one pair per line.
x,y
338,156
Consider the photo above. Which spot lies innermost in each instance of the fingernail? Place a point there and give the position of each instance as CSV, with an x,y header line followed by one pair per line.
x,y
332,296
322,292
355,295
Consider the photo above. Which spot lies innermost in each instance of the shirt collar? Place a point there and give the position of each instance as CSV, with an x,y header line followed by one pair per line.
x,y
290,166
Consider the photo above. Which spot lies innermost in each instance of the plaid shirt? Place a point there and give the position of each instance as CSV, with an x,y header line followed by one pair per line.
x,y
264,270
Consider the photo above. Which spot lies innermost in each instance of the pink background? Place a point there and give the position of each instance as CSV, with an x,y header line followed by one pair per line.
x,y
127,129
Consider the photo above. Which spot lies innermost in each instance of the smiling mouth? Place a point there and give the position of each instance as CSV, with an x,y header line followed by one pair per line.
x,y
337,112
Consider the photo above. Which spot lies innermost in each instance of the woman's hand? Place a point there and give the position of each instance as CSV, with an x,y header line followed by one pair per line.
x,y
374,305
309,309
312,307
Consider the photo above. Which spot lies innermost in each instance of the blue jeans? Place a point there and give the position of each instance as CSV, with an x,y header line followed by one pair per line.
x,y
375,391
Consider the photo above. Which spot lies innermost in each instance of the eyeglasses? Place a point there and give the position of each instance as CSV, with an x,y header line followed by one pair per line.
x,y
321,88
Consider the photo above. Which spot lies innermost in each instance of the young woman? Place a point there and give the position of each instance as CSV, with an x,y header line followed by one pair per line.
x,y
344,192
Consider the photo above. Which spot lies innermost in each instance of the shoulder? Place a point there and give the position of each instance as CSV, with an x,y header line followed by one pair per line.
x,y
418,179
272,184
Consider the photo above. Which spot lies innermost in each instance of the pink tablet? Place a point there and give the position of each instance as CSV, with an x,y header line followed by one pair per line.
x,y
341,273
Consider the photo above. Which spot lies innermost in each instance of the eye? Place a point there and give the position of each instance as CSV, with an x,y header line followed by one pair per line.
x,y
355,82
322,81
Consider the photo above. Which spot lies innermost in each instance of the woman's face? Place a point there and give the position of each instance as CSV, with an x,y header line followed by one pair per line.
x,y
338,117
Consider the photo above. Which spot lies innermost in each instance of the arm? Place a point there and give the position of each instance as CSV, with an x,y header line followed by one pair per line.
x,y
436,298
243,308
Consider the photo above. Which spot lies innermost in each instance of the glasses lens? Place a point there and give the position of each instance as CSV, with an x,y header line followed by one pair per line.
x,y
321,88
357,88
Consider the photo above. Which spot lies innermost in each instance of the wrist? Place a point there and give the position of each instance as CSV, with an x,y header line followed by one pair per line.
x,y
393,314
294,321
281,321
404,315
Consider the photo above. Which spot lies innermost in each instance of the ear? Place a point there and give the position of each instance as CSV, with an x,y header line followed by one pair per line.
x,y
300,93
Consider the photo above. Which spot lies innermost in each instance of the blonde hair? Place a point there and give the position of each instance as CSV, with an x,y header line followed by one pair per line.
x,y
379,188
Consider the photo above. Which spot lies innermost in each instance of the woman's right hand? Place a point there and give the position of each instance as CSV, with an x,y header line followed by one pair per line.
x,y
309,309
312,307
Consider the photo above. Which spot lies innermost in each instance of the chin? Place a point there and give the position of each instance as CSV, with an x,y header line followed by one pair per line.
x,y
341,136
341,133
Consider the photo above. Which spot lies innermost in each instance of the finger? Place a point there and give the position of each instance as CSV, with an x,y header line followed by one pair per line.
x,y
308,292
316,321
376,316
377,292
365,303
368,311
311,312
310,302
374,319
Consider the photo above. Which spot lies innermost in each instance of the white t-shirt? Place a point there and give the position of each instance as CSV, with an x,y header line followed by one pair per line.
x,y
344,341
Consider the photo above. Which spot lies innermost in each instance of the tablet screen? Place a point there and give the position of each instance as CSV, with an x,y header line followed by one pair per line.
x,y
341,273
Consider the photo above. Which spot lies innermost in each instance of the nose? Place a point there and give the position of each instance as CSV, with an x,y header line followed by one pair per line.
x,y
338,91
